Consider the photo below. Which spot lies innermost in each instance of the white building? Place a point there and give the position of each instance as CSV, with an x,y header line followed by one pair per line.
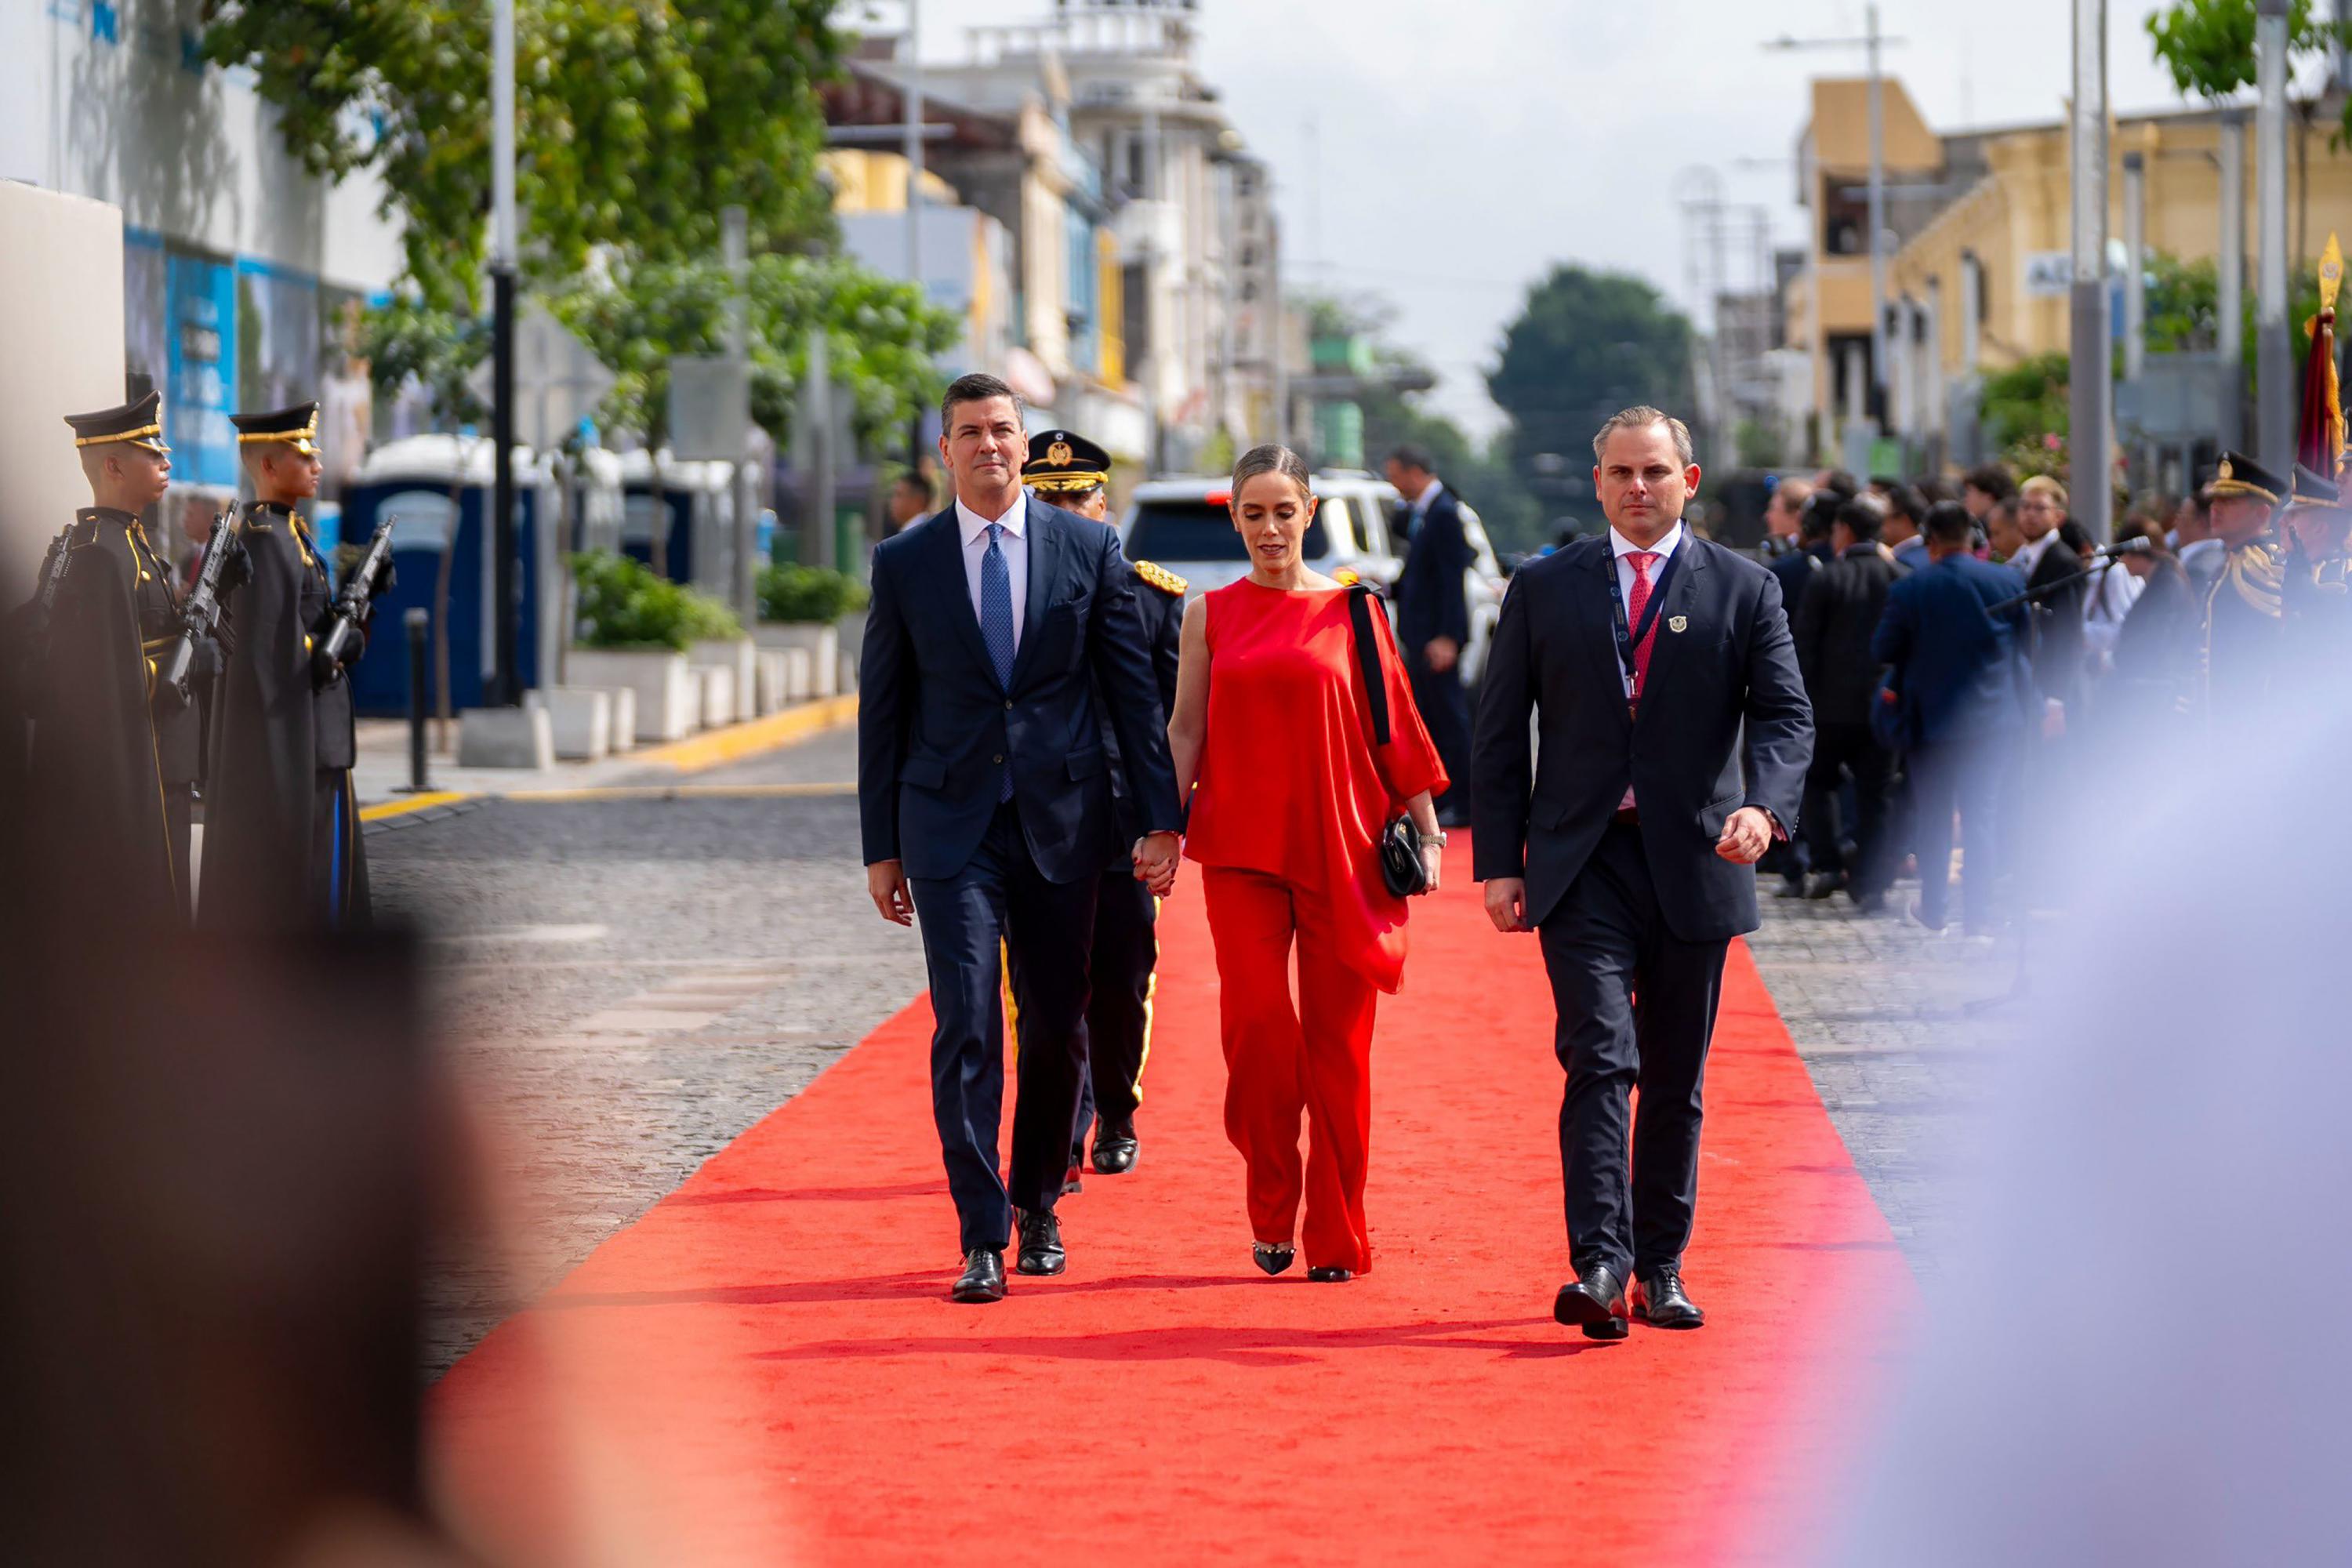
x,y
240,270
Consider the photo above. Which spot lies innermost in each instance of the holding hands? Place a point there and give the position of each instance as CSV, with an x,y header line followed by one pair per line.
x,y
1155,858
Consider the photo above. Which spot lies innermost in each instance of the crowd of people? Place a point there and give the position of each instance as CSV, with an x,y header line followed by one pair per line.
x,y
1963,643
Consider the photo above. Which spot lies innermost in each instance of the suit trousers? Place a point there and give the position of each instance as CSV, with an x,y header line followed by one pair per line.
x,y
1283,1059
1445,709
1001,904
1118,1013
1965,776
1636,1006
1838,749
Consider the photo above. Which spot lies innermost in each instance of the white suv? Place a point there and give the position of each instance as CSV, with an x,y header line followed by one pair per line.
x,y
1184,525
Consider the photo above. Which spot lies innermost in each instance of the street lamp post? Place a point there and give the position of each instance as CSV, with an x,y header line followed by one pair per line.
x,y
1873,43
504,690
2090,376
914,193
2274,363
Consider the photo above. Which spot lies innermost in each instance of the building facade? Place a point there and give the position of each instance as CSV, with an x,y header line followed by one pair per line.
x,y
242,273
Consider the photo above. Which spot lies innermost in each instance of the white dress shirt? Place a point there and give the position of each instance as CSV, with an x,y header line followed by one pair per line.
x,y
2029,555
1418,508
1620,547
1015,547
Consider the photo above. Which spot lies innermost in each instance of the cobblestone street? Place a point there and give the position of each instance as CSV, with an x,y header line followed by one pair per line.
x,y
628,983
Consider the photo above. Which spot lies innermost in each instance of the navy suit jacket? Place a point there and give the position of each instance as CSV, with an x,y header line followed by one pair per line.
x,y
1429,598
1724,723
1955,661
934,724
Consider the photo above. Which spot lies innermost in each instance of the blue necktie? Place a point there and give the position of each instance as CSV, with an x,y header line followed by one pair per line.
x,y
996,625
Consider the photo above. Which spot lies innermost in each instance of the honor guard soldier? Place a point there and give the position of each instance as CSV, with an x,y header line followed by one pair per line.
x,y
2242,609
114,751
1073,473
283,849
2315,596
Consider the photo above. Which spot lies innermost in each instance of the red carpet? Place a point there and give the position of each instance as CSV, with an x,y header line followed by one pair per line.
x,y
766,1367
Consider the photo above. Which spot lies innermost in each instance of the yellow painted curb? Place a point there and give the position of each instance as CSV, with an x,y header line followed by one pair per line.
x,y
678,792
740,741
407,804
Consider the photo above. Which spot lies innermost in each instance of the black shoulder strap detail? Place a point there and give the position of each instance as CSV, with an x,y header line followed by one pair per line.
x,y
1367,657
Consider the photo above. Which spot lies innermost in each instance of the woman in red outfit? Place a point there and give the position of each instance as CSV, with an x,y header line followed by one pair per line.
x,y
1273,747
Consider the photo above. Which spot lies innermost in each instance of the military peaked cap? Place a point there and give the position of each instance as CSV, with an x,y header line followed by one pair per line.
x,y
2239,475
297,426
1059,461
138,423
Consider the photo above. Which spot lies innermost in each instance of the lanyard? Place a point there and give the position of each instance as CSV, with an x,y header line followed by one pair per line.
x,y
1630,642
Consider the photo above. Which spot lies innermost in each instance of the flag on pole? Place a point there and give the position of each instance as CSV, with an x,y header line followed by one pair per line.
x,y
2319,442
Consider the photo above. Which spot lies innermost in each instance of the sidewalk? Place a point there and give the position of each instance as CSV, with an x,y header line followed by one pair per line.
x,y
380,776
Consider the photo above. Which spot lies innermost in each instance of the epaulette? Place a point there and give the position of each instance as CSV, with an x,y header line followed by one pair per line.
x,y
1161,578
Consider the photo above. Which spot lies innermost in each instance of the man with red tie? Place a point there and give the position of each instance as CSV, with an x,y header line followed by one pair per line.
x,y
1675,736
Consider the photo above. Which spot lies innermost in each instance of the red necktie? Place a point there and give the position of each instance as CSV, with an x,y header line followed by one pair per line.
x,y
1641,560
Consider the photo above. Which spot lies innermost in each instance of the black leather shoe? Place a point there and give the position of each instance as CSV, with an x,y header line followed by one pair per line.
x,y
1116,1148
1659,1300
1041,1244
1070,1182
1330,1276
1823,884
1595,1302
1272,1257
982,1279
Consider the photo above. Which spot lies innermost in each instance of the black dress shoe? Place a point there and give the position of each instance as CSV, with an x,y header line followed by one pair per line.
x,y
1041,1244
1070,1182
1272,1257
1322,1276
1659,1300
982,1279
1595,1302
1116,1148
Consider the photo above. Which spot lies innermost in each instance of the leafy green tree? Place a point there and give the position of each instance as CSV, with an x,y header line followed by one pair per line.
x,y
1585,346
406,340
881,339
636,120
2209,45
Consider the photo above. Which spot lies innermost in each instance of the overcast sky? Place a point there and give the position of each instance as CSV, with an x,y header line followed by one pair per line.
x,y
1465,145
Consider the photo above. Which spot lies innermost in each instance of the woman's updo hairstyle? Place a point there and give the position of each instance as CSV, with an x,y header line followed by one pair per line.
x,y
1272,458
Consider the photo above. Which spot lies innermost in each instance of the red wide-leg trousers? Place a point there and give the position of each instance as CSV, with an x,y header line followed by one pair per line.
x,y
1282,1060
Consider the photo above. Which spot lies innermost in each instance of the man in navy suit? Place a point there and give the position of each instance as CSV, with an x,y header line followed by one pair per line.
x,y
1959,677
1433,619
985,802
1675,739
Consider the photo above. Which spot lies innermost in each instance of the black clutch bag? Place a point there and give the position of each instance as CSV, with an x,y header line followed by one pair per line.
x,y
1399,847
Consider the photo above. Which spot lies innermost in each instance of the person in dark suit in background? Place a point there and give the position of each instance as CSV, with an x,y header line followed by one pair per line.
x,y
2155,675
1833,632
1959,675
2047,561
1675,739
1434,618
1071,472
1906,516
985,805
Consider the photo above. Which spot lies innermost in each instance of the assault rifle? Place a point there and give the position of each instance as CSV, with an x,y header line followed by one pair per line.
x,y
200,612
372,577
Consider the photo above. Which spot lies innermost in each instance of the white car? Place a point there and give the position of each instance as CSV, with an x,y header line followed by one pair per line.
x,y
1184,525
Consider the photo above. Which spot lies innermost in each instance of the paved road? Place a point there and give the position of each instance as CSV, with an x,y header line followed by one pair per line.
x,y
629,984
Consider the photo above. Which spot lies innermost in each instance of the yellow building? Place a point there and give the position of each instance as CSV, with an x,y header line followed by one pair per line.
x,y
1828,300
1981,278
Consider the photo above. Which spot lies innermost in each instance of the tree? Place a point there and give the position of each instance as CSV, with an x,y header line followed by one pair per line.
x,y
1585,346
881,336
636,120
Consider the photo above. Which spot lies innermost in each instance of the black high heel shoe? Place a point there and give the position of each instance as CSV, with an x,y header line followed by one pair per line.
x,y
1330,1276
1272,1257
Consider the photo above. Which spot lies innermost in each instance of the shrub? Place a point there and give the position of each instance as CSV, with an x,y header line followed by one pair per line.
x,y
623,605
809,596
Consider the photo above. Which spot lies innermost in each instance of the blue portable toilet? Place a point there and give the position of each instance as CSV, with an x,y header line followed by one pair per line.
x,y
438,489
697,506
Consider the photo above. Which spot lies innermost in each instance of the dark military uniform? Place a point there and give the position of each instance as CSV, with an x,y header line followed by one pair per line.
x,y
113,762
282,846
2243,613
1064,468
2315,589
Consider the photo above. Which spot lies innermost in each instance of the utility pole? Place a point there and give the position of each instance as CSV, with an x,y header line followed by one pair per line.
x,y
2273,367
2090,377
2229,338
2135,273
914,193
505,689
1878,214
735,246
